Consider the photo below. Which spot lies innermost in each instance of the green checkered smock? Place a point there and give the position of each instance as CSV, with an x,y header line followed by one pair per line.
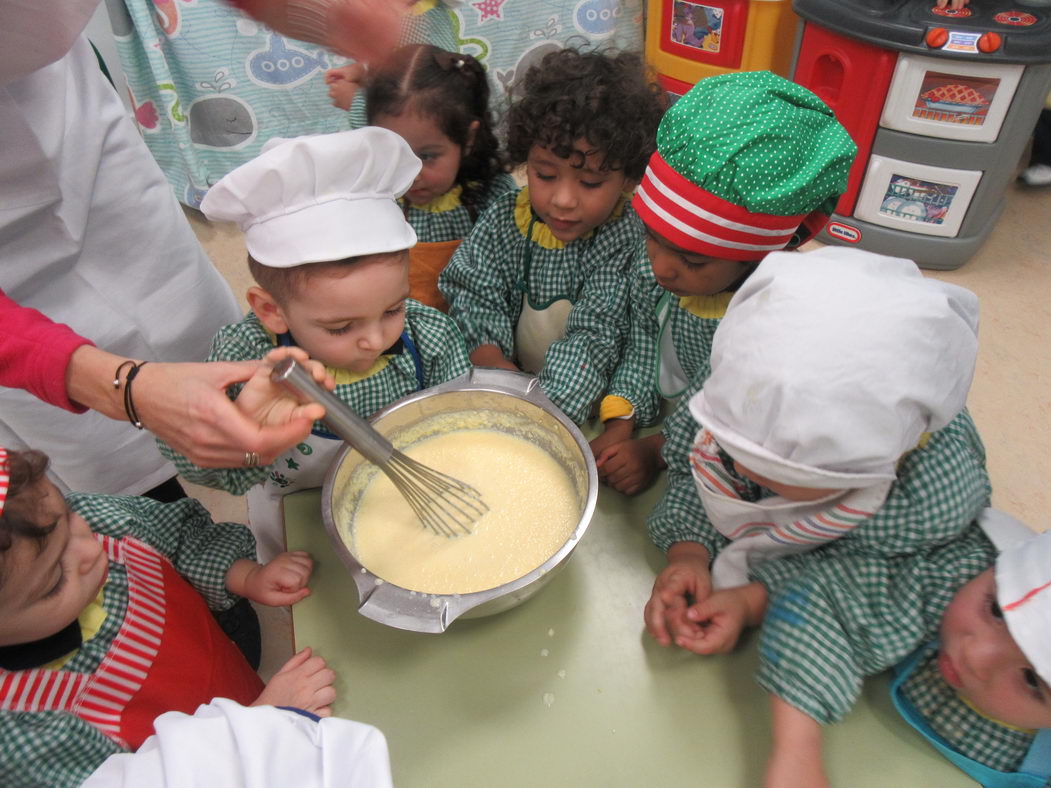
x,y
636,376
436,337
838,614
55,748
484,284
446,219
968,732
939,492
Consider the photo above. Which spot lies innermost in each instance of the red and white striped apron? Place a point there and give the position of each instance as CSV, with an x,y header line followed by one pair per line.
x,y
170,655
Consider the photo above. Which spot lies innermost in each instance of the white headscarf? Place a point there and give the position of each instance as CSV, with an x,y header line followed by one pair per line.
x,y
826,369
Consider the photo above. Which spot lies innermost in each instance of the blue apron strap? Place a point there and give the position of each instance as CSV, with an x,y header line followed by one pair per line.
x,y
416,360
1038,759
988,777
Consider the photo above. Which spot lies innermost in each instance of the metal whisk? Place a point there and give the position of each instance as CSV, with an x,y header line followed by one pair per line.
x,y
445,505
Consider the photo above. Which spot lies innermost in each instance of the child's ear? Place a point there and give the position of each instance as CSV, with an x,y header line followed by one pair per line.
x,y
267,310
472,134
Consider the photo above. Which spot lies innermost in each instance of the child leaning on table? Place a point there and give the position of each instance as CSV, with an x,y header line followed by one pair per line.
x,y
966,631
746,164
329,249
541,283
106,622
831,431
833,418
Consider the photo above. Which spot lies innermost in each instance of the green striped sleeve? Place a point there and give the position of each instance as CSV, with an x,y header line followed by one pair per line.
x,y
200,549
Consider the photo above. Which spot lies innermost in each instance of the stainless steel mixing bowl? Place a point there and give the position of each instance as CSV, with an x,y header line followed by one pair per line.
x,y
497,399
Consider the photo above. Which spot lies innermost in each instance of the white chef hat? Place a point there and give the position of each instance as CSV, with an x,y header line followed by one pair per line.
x,y
1023,585
830,365
319,198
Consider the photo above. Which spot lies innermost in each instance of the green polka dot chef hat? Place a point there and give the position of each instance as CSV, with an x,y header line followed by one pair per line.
x,y
320,198
743,162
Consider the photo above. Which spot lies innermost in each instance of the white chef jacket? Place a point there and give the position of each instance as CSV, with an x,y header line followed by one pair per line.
x,y
92,236
229,746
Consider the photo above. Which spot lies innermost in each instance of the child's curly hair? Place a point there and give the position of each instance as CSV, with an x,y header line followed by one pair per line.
x,y
608,98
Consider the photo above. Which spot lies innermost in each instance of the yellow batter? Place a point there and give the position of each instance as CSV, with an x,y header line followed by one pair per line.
x,y
533,509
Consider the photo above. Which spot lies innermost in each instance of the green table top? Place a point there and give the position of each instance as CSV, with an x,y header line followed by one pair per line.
x,y
568,689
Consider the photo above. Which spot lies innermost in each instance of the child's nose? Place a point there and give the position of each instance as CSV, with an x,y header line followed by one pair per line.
x,y
371,338
564,196
88,551
991,654
662,267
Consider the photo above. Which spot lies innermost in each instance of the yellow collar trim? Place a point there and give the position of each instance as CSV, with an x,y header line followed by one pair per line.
x,y
542,234
342,376
443,203
707,306
421,7
346,377
90,620
982,714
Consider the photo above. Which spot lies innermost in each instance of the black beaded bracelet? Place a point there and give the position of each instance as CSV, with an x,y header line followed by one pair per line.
x,y
129,404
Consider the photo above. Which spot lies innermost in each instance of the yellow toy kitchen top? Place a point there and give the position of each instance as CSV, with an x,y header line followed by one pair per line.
x,y
568,689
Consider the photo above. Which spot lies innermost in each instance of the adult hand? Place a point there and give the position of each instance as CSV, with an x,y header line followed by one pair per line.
x,y
304,682
185,404
361,29
366,29
683,583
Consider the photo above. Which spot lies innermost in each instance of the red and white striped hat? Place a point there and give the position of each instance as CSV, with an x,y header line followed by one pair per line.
x,y
695,219
744,161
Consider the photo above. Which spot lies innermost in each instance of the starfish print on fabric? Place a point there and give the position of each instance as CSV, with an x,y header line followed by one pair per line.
x,y
292,464
489,9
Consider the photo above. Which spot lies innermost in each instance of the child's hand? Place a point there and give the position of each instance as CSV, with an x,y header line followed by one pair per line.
x,y
281,582
953,4
631,466
721,616
491,356
304,682
683,583
614,431
270,404
344,83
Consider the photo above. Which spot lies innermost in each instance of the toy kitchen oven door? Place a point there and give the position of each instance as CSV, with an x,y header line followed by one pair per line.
x,y
941,104
688,40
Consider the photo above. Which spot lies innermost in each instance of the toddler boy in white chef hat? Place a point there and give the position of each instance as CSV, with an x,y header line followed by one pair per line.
x,y
328,247
828,371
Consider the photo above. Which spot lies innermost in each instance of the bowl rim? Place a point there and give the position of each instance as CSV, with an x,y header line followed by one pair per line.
x,y
389,603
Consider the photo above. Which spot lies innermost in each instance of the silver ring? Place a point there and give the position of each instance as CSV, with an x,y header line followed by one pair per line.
x,y
251,459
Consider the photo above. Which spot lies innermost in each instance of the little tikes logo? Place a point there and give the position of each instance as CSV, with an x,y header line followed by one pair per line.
x,y
844,232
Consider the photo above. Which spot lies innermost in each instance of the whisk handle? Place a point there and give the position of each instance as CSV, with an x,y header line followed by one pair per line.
x,y
339,417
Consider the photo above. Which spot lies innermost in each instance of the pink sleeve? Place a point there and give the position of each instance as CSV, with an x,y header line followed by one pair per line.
x,y
34,353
